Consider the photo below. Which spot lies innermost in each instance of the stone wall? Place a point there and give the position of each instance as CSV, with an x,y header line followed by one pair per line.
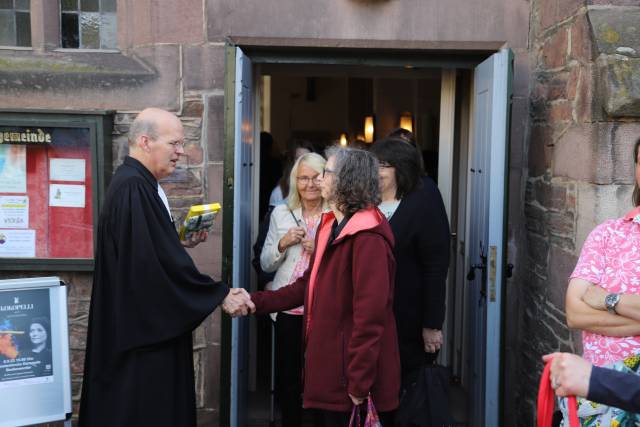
x,y
187,186
186,78
583,101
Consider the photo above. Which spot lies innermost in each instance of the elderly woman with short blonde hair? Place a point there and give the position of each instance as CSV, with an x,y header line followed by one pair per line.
x,y
287,250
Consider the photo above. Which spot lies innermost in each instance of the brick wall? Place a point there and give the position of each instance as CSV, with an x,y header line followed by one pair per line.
x,y
580,173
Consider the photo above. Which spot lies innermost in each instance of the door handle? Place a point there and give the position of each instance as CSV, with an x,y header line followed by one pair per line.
x,y
471,275
509,272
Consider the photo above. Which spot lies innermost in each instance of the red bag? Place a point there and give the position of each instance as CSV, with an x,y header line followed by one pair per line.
x,y
547,400
371,420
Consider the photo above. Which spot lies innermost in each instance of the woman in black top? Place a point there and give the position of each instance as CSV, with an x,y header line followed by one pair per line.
x,y
39,333
413,205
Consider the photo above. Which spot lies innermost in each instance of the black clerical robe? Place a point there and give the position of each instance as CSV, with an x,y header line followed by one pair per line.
x,y
147,298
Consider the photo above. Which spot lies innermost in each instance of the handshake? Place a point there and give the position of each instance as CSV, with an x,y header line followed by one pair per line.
x,y
238,303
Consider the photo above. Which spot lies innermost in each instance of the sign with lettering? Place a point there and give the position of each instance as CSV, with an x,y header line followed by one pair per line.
x,y
25,135
35,384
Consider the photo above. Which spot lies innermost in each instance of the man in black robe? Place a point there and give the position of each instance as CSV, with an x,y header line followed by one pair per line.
x,y
148,296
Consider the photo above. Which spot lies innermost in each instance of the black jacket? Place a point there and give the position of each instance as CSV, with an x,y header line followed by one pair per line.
x,y
613,388
421,230
147,298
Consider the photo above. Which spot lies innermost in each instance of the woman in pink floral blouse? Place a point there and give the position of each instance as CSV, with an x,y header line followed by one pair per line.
x,y
603,297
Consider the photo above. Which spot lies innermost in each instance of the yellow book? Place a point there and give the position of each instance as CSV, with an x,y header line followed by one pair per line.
x,y
200,217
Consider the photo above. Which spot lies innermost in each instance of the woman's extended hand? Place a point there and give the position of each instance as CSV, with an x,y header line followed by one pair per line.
x,y
594,297
293,236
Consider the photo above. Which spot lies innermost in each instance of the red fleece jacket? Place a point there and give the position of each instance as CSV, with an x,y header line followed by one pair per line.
x,y
351,345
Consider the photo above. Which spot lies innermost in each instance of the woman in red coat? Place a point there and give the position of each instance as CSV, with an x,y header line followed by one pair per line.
x,y
349,332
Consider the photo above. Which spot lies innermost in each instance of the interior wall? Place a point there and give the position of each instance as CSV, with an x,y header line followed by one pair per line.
x,y
295,110
419,96
392,97
328,106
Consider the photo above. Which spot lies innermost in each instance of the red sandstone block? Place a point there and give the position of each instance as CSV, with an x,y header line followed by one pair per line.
x,y
551,12
560,111
581,40
194,154
203,67
193,108
554,51
540,150
215,128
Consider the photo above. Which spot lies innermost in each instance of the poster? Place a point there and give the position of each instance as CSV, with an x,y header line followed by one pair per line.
x,y
14,211
68,196
25,337
13,168
67,170
17,243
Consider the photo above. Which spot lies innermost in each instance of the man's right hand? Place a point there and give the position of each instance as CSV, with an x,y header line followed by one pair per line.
x,y
238,303
570,374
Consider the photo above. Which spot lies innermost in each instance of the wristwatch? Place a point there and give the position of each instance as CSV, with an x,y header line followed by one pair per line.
x,y
611,301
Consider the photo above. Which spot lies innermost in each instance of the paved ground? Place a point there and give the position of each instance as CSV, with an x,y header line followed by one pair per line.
x,y
259,412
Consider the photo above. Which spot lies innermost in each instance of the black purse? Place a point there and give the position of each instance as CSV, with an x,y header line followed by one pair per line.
x,y
425,399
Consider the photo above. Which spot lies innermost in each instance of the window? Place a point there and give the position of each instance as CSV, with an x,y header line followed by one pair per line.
x,y
15,23
88,24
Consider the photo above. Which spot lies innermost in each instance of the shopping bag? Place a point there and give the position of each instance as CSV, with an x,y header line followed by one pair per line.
x,y
594,414
425,401
547,399
371,420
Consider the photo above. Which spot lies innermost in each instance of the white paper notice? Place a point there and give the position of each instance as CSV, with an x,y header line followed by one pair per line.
x,y
67,196
14,211
67,170
13,168
17,243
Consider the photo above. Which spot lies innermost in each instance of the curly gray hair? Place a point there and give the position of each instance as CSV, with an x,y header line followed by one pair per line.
x,y
356,179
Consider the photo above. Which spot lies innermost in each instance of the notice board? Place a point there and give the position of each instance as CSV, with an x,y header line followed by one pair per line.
x,y
53,171
35,383
45,193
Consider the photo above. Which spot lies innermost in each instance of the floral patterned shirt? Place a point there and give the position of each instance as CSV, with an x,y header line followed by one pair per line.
x,y
310,225
610,258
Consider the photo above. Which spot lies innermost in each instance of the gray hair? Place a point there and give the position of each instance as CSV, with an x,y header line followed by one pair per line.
x,y
141,126
314,161
355,180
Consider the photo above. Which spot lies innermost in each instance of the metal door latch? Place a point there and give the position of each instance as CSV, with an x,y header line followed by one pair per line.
x,y
509,272
471,275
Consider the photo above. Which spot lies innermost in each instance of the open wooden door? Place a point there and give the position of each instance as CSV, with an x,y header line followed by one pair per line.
x,y
237,220
487,219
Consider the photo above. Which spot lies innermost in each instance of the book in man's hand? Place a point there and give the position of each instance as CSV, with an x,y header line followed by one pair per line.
x,y
199,218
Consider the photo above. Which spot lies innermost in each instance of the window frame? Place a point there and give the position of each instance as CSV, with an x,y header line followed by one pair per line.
x,y
78,13
15,25
100,125
46,33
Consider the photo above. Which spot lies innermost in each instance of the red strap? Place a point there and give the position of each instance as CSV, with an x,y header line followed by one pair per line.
x,y
546,401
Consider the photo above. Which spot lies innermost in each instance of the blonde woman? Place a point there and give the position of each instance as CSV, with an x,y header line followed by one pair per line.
x,y
287,251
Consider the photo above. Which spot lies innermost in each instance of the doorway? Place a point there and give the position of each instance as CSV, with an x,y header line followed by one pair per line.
x,y
332,97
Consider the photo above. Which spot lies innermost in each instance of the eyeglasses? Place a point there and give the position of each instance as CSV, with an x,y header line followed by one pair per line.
x,y
326,171
307,179
384,165
177,144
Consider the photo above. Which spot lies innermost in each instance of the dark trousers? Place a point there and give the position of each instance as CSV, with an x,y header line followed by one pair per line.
x,y
288,334
341,419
